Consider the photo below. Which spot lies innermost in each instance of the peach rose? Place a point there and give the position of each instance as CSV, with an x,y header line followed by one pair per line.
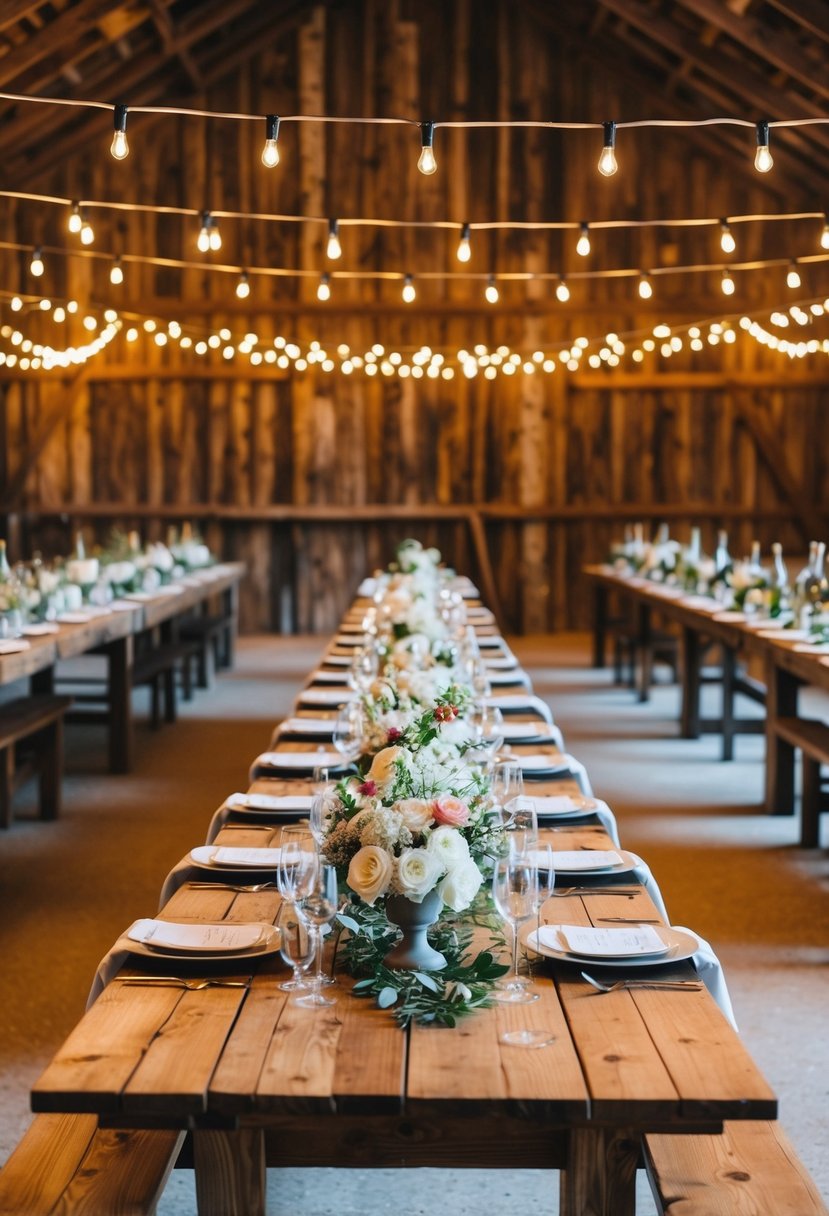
x,y
450,810
369,872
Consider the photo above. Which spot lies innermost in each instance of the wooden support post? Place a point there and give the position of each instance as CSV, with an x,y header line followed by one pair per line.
x,y
489,587
781,702
600,1178
691,683
230,1172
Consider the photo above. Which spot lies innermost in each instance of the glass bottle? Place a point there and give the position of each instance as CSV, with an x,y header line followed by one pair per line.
x,y
5,568
694,550
754,564
779,573
722,558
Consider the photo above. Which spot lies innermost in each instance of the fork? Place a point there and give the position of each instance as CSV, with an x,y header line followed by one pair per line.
x,y
192,985
626,891
669,985
250,889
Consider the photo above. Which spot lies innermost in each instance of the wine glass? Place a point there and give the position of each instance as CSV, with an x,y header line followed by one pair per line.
x,y
298,861
486,723
546,880
319,816
364,669
506,781
520,822
296,945
348,731
319,907
515,892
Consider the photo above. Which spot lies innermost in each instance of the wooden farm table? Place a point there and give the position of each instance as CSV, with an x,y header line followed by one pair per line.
x,y
112,634
787,668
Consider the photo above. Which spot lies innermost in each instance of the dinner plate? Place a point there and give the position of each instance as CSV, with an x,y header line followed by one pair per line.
x,y
268,944
41,629
328,677
337,660
349,639
326,696
526,732
563,806
627,862
314,728
203,856
14,645
289,804
299,761
681,945
490,640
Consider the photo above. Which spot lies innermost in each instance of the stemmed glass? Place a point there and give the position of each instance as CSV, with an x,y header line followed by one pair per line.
x,y
487,725
520,821
319,816
296,945
297,862
546,881
506,781
515,892
348,731
364,669
319,907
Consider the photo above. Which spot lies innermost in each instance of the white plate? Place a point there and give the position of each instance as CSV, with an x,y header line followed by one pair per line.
x,y
627,862
492,639
40,630
308,727
563,806
586,861
291,804
14,645
268,945
203,857
328,677
337,660
543,766
507,663
349,639
326,696
526,732
299,761
75,618
516,676
680,945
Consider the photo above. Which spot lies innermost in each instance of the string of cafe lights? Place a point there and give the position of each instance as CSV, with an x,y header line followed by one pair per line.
x,y
607,351
427,159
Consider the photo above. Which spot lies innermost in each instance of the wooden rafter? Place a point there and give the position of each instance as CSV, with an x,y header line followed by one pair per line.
x,y
65,31
812,15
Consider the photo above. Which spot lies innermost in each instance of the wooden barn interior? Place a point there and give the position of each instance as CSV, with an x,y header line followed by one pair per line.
x,y
622,361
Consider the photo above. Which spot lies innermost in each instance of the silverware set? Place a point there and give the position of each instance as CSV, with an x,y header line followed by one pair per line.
x,y
627,892
247,889
176,981
620,985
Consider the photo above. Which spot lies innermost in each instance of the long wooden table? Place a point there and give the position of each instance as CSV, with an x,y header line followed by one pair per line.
x,y
259,1080
113,635
787,669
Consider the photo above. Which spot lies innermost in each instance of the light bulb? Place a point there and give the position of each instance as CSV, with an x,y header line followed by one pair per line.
x,y
727,284
16,304
334,249
270,151
762,157
409,292
792,278
607,160
87,233
824,236
116,274
203,241
562,291
583,243
36,266
74,222
645,288
324,288
491,292
214,236
727,242
243,286
426,162
119,147
464,248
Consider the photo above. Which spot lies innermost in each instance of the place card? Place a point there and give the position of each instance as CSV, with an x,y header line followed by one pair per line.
x,y
623,942
561,804
224,855
586,859
198,938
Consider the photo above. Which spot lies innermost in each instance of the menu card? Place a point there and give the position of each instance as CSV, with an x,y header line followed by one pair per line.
x,y
199,938
260,859
560,804
623,942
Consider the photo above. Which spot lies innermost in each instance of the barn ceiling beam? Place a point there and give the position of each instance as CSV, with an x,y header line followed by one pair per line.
x,y
812,15
65,31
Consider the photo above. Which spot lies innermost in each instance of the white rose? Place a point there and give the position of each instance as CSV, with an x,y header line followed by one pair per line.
x,y
369,872
416,813
417,873
449,845
461,885
383,771
161,558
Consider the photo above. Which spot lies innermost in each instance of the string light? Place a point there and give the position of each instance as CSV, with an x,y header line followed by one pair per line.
x,y
562,291
793,276
87,232
426,162
762,157
119,147
324,288
607,160
36,266
824,236
409,292
270,151
74,222
583,243
645,287
727,242
214,236
243,286
116,274
334,248
464,247
727,284
492,294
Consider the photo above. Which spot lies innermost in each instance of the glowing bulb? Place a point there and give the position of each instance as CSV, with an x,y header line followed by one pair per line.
x,y
464,248
409,292
583,243
645,288
214,236
727,284
426,162
243,286
762,157
491,292
203,241
824,236
87,232
16,304
72,306
74,222
562,291
116,274
324,288
607,160
36,266
119,147
270,151
792,278
334,249
59,314
727,242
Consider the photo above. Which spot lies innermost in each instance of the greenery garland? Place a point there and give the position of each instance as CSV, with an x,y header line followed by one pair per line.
x,y
426,997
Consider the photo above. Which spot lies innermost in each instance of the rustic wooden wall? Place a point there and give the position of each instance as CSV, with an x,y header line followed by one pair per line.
x,y
309,478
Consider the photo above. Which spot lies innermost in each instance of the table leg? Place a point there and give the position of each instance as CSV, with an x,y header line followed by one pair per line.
x,y
600,1178
691,683
230,1172
729,665
644,650
600,599
119,659
781,702
42,681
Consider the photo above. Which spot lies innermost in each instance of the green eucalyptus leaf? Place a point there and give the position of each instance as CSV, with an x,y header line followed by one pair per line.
x,y
387,997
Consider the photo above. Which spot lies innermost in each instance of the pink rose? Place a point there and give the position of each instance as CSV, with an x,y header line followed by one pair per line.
x,y
368,789
450,810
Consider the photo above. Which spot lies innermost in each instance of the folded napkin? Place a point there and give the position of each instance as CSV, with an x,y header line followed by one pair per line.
x,y
287,807
337,660
349,639
297,760
269,802
328,677
507,663
225,856
812,647
702,602
567,860
307,726
199,938
121,606
516,702
733,618
531,732
490,641
565,806
14,645
543,763
326,696
516,676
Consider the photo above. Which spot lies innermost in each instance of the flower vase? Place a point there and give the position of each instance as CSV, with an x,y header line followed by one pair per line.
x,y
412,951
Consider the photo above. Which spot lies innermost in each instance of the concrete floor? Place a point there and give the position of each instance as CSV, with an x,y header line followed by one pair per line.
x,y
725,869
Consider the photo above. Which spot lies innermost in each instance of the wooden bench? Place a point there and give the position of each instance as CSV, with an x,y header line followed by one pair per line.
x,y
157,667
811,736
213,636
36,722
66,1163
751,1168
